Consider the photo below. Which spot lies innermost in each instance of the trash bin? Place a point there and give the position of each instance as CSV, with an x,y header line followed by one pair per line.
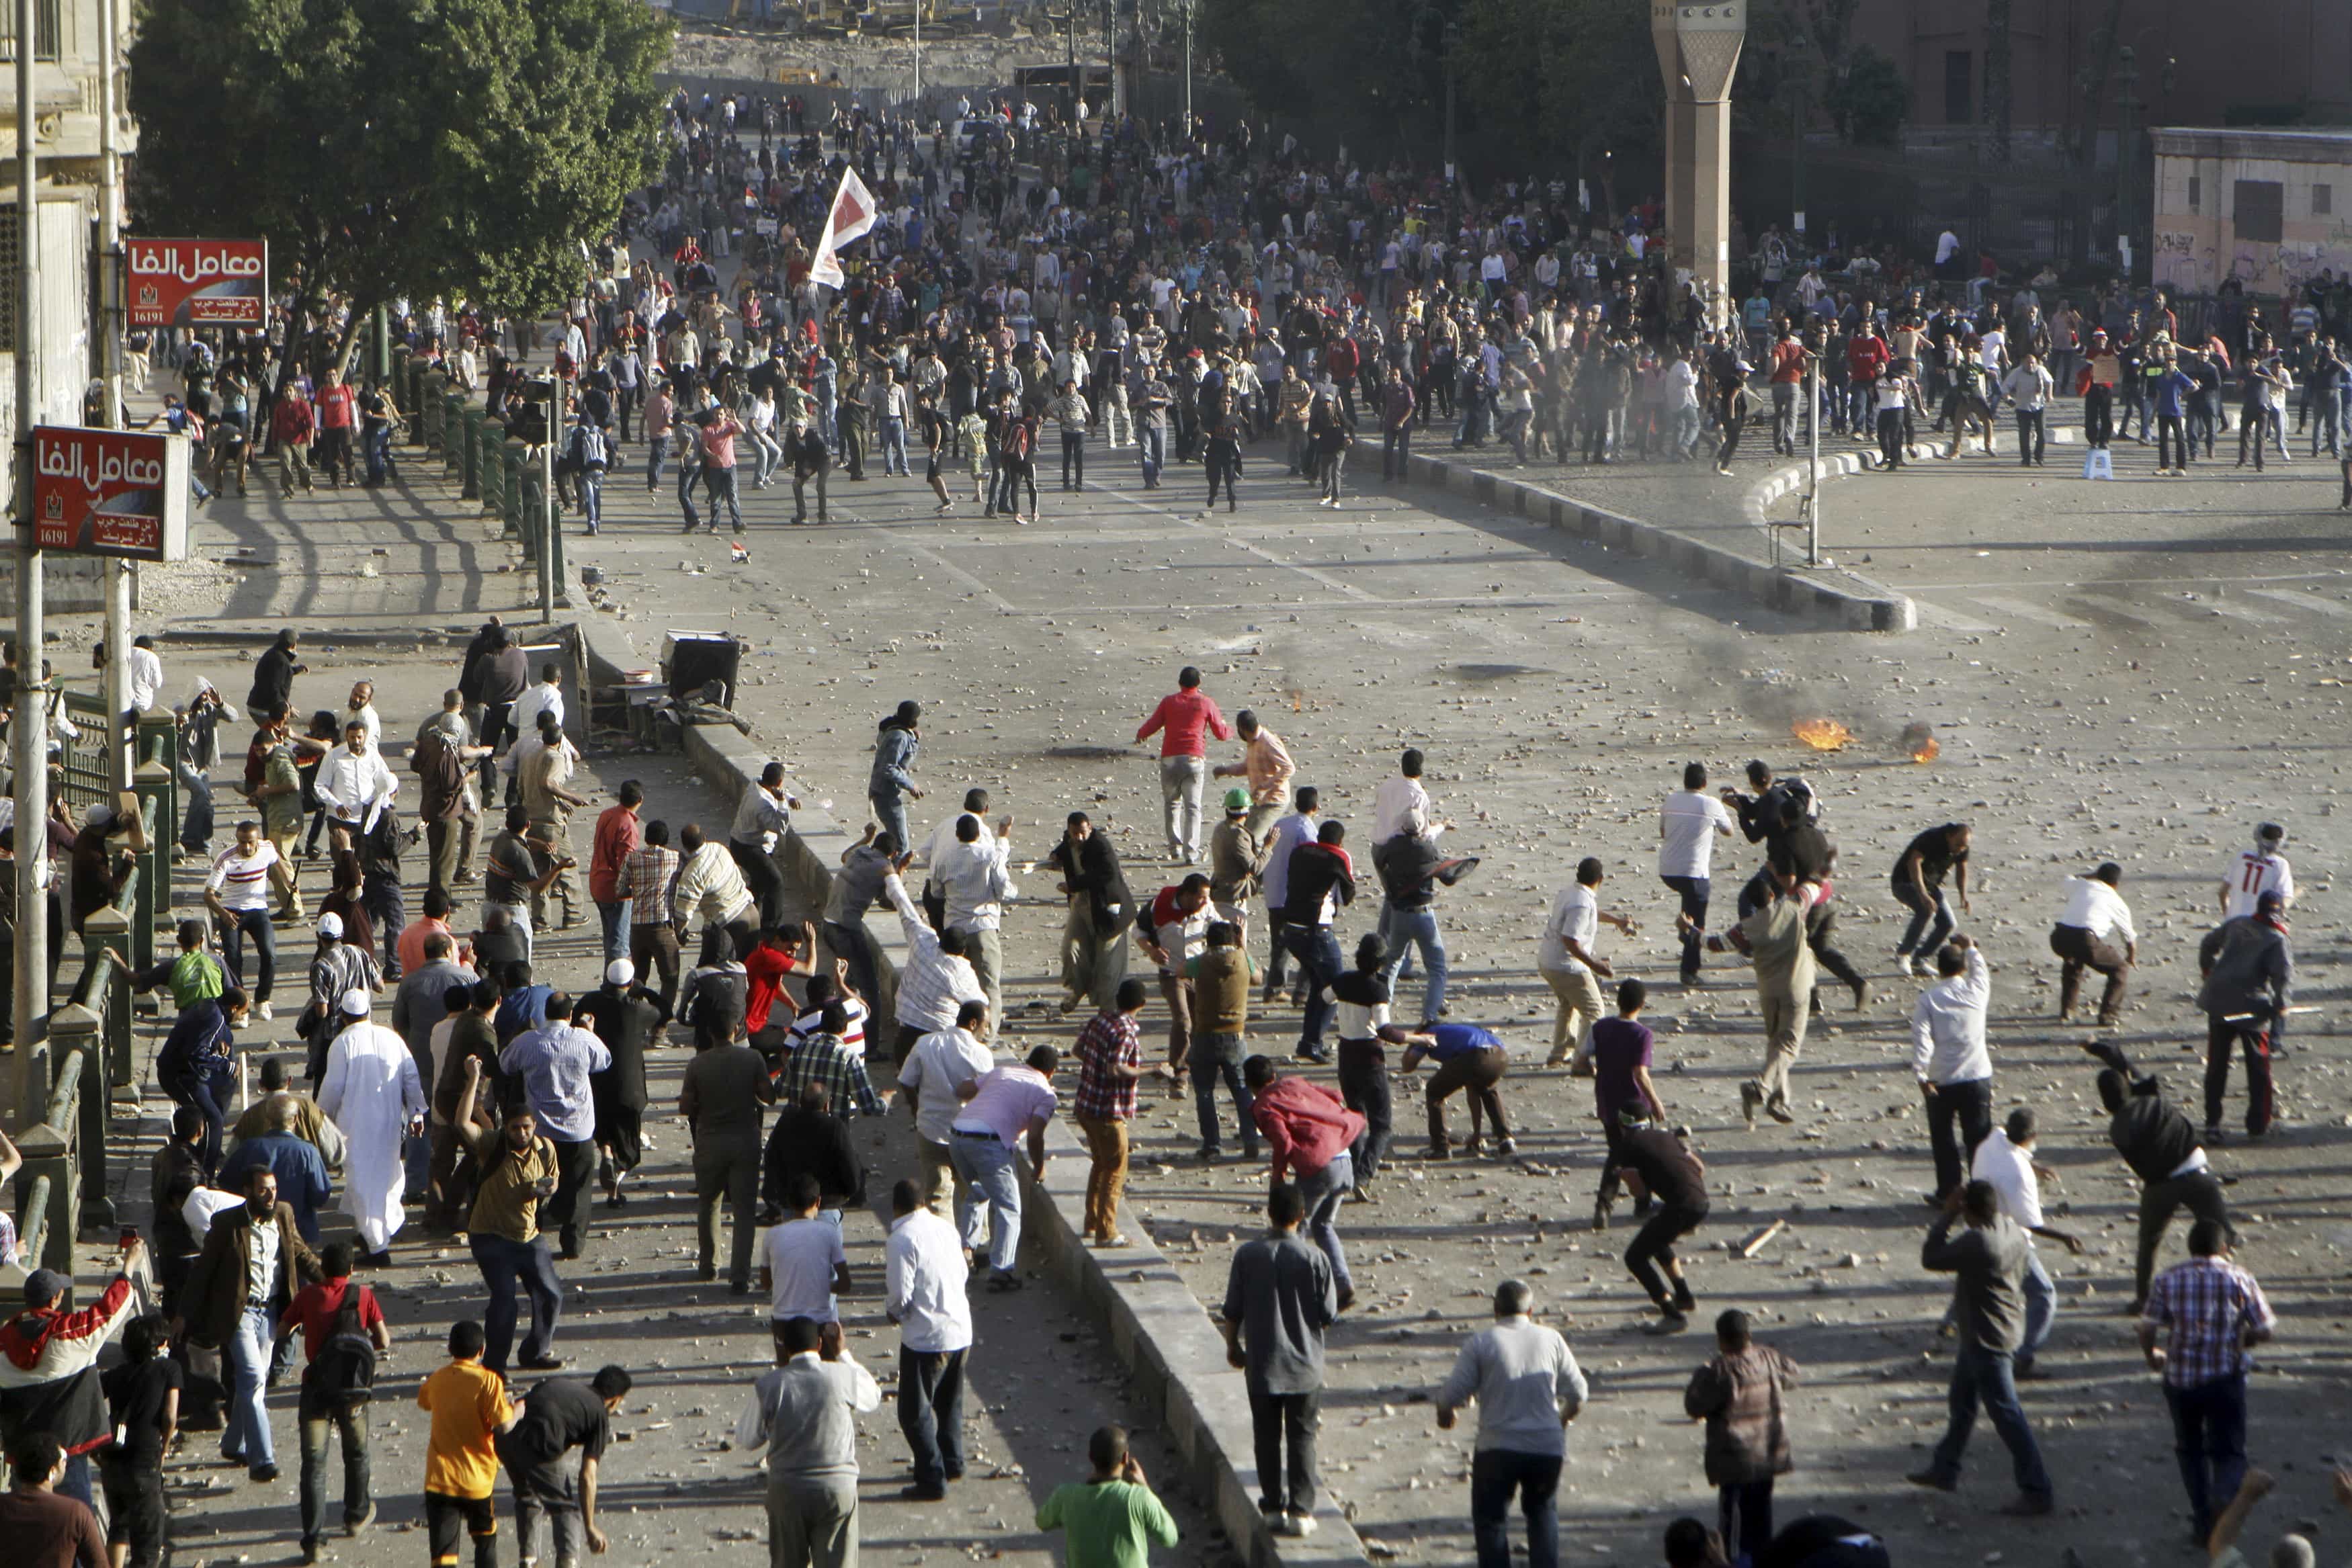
x,y
692,660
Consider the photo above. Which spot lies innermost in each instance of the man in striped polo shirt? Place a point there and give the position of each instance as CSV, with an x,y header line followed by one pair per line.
x,y
237,894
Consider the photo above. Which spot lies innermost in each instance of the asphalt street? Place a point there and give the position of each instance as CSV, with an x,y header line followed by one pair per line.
x,y
1558,689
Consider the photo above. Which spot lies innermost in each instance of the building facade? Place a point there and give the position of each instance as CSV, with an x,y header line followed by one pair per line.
x,y
2271,209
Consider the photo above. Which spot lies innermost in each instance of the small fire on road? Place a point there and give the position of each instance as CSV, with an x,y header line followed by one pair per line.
x,y
1821,734
1918,742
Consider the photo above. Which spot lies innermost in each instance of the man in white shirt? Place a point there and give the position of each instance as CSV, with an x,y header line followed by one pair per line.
x,y
1397,797
938,978
924,1297
1688,824
2005,1160
971,876
1528,1388
547,696
1274,881
2256,871
359,708
237,894
1949,1057
2095,932
802,1263
934,1076
711,884
1002,1111
146,675
975,804
1566,959
354,785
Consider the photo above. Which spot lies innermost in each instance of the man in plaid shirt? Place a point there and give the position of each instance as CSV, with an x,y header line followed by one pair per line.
x,y
647,876
2216,1314
1110,1059
826,1061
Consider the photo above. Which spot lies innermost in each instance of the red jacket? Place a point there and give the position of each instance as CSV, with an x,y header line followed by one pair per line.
x,y
1182,715
1304,1125
292,422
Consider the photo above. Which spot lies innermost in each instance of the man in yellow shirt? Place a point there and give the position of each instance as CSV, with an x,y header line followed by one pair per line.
x,y
470,1409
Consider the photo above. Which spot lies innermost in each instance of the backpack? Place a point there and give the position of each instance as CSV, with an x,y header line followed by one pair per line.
x,y
344,1368
1016,440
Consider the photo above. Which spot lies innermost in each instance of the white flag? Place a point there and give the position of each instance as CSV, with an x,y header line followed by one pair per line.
x,y
852,215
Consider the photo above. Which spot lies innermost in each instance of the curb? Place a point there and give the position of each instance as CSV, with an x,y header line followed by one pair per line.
x,y
1160,1330
1785,481
1865,606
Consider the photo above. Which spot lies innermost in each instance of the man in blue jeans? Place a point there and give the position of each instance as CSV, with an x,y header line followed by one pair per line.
x,y
1528,1388
1987,1261
2210,1313
219,1304
1320,878
1410,870
1918,884
1002,1110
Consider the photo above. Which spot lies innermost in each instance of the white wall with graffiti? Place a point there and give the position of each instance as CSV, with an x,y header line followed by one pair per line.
x,y
2272,209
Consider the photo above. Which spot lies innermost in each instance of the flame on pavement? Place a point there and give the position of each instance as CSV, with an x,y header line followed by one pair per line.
x,y
1821,734
1918,742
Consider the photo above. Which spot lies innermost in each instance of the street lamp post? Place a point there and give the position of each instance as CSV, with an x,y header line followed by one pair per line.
x,y
2128,107
30,1003
1453,42
1800,77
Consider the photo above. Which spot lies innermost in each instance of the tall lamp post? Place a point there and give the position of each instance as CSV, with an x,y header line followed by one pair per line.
x,y
2128,107
1799,60
30,1003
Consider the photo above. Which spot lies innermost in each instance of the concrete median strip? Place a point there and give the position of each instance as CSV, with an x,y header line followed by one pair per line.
x,y
1158,1330
1849,604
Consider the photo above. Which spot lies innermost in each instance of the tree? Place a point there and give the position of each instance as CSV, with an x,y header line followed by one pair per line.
x,y
1577,75
1869,101
390,147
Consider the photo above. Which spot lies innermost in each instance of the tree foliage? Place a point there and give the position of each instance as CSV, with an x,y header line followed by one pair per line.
x,y
390,147
1869,100
1371,73
1557,80
1536,82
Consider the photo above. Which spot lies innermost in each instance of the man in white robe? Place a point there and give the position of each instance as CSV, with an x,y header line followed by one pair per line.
x,y
373,1095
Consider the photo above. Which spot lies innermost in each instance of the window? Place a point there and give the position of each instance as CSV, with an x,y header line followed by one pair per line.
x,y
2258,211
45,30
2322,200
2196,193
1959,88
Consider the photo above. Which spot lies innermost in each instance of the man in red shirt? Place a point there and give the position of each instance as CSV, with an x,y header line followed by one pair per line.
x,y
339,417
318,1310
291,424
1312,1134
1866,354
772,958
1183,720
1787,377
616,839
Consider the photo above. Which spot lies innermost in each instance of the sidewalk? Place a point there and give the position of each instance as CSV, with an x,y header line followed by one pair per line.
x,y
1042,1376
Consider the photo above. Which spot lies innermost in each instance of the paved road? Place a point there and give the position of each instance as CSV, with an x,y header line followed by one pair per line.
x,y
1558,690
1041,1382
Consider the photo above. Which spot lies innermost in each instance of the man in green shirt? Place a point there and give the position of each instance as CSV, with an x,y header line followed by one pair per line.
x,y
194,973
1112,1518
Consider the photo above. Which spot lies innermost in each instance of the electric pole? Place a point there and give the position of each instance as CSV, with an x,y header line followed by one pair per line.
x,y
30,732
